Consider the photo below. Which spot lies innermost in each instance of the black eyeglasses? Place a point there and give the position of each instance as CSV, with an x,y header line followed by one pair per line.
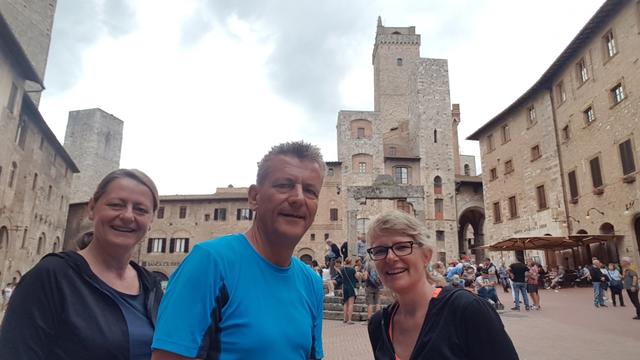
x,y
403,248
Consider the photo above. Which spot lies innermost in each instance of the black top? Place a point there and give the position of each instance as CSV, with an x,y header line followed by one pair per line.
x,y
458,325
59,310
335,250
345,250
518,269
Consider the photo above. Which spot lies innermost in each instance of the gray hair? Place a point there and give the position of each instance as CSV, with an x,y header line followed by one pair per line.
x,y
626,259
298,149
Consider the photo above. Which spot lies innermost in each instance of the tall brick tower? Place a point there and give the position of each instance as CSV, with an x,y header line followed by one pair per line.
x,y
94,140
31,21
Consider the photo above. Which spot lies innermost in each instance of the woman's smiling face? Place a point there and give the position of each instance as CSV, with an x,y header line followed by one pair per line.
x,y
401,273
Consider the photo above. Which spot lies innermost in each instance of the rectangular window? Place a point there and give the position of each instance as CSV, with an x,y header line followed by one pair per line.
x,y
13,96
610,44
326,236
207,217
362,167
21,133
439,207
244,214
313,237
561,93
360,133
617,93
573,185
160,213
333,214
583,73
493,174
403,205
589,115
330,172
626,157
497,216
439,235
542,197
513,207
490,145
156,245
183,212
596,175
505,134
531,115
566,135
401,175
393,151
508,166
535,152
179,245
220,214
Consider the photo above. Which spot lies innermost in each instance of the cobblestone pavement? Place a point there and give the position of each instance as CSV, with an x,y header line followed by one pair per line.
x,y
568,327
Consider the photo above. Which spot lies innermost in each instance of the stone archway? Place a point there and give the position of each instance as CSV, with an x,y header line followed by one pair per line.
x,y
474,217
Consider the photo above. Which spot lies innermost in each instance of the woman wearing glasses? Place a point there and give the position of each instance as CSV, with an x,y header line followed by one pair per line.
x,y
425,321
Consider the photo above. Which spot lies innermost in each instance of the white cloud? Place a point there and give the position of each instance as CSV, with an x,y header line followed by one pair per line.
x,y
200,114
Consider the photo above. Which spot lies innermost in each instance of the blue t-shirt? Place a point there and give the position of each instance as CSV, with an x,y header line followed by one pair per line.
x,y
225,301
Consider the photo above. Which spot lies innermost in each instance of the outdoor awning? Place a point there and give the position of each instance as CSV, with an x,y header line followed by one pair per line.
x,y
548,242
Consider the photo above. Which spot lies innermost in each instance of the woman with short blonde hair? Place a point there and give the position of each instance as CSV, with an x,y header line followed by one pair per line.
x,y
426,322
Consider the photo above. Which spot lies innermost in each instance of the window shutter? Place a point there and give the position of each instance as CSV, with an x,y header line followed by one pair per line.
x,y
172,245
238,214
164,243
215,214
223,214
186,245
149,245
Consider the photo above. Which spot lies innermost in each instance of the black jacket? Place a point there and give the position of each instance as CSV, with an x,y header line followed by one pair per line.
x,y
458,325
60,311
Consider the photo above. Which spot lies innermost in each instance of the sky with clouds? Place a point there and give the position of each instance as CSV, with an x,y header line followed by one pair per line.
x,y
205,88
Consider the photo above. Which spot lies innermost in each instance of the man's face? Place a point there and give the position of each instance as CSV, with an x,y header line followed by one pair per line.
x,y
287,200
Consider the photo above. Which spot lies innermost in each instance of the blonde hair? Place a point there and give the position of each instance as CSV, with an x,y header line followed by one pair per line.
x,y
400,223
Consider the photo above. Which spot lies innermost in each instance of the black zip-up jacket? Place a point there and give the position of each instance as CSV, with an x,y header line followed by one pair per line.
x,y
458,325
59,310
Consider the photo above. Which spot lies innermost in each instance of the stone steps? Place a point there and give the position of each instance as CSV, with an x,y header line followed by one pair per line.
x,y
333,308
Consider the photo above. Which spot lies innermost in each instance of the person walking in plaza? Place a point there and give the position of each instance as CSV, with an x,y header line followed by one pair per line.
x,y
532,284
630,283
333,252
615,283
503,275
270,304
426,322
361,248
349,281
519,272
95,303
597,278
372,288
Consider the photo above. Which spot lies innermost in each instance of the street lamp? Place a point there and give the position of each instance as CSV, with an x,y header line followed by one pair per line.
x,y
598,211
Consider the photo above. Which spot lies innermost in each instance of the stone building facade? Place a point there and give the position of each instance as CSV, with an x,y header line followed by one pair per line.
x,y
31,22
35,170
566,150
94,140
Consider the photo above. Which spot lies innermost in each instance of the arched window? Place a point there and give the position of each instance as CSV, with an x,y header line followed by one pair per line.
x,y
437,185
35,181
12,174
435,135
467,170
607,228
41,244
4,239
49,193
56,243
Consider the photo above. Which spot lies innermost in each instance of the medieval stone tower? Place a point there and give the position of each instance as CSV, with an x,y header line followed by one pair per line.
x,y
94,140
404,154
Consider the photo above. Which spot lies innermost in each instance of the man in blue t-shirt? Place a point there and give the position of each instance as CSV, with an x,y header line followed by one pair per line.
x,y
244,296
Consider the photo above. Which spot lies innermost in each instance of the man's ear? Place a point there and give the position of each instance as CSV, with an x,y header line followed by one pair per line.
x,y
253,197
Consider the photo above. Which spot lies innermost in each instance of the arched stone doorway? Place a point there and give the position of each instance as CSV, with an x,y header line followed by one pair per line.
x,y
608,249
473,217
306,255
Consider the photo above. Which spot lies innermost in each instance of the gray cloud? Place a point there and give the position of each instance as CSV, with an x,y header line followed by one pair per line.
x,y
312,42
77,25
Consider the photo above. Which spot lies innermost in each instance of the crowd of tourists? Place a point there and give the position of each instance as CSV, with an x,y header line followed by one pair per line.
x,y
96,303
